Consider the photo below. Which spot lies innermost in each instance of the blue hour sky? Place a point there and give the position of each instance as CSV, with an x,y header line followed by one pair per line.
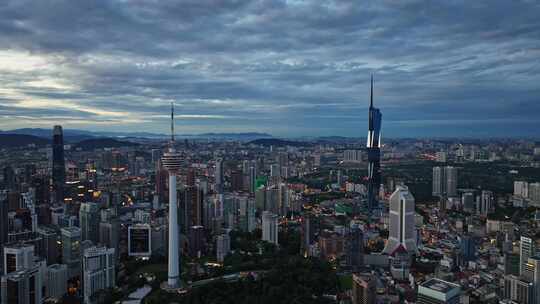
x,y
289,68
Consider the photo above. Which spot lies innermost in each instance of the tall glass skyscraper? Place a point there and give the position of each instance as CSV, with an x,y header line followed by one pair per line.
x,y
58,164
374,153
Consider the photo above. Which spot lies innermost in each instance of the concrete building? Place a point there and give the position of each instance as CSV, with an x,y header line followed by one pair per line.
x,y
98,271
140,240
270,227
436,291
445,181
22,287
71,250
89,218
223,246
402,230
18,257
57,277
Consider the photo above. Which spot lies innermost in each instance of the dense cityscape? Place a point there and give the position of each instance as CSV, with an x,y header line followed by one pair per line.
x,y
142,220
269,152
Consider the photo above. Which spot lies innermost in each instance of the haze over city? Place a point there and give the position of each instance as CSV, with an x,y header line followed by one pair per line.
x,y
287,68
269,152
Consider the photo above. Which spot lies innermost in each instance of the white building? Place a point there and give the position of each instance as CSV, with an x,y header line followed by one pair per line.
x,y
270,227
402,231
98,270
521,189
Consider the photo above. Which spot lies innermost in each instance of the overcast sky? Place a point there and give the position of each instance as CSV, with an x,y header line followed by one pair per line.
x,y
289,68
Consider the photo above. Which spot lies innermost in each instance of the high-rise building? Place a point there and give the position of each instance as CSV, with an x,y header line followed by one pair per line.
x,y
10,182
534,192
3,224
223,246
521,189
518,289
445,181
355,248
17,257
219,176
374,153
89,217
98,271
109,233
57,278
467,201
467,248
486,203
58,164
196,241
252,179
140,240
270,227
364,289
49,244
308,232
172,162
22,287
436,291
402,225
527,249
71,250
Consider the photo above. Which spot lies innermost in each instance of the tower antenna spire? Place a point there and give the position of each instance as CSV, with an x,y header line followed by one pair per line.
x,y
172,122
371,95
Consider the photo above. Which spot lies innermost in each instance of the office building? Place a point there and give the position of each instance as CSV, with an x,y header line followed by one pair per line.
x,y
270,227
518,289
521,189
57,278
196,241
98,271
71,250
445,181
364,288
219,176
527,249
140,240
223,246
58,165
172,161
49,244
436,291
89,218
352,156
3,224
355,248
486,203
22,287
374,153
467,248
402,230
17,257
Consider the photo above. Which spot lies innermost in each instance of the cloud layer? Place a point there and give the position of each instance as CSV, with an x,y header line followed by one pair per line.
x,y
284,67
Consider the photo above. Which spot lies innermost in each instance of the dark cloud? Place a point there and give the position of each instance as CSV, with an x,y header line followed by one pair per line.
x,y
441,68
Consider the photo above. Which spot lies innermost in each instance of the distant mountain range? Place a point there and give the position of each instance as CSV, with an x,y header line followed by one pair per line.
x,y
21,140
278,142
100,143
74,135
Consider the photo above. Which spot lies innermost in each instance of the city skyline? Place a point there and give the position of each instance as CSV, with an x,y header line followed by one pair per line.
x,y
286,68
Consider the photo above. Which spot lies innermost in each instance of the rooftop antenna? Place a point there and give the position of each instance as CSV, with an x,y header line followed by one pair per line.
x,y
172,123
371,96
